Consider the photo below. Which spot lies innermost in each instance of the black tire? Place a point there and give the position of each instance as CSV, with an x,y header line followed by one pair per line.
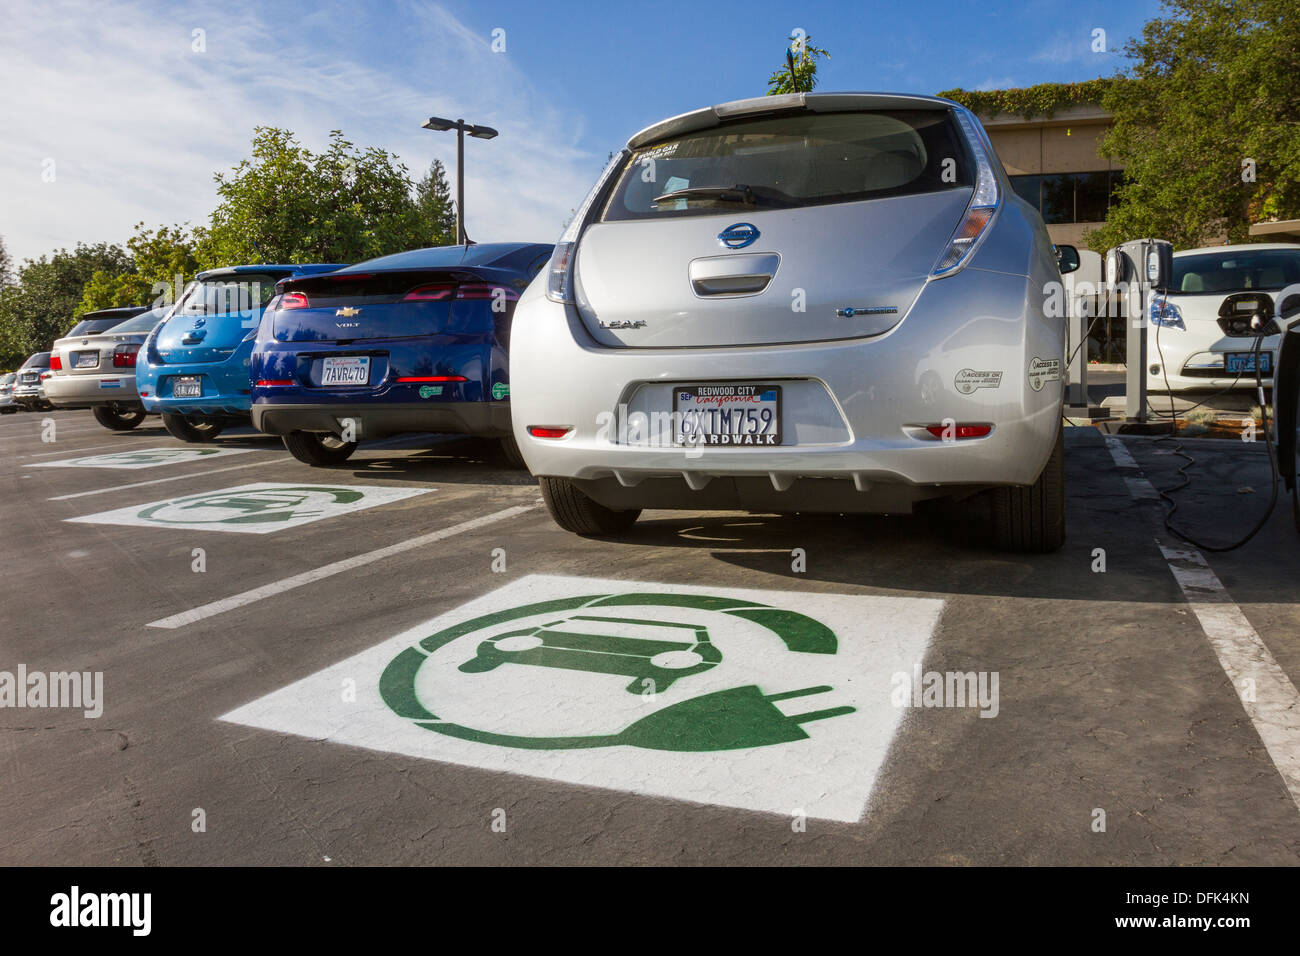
x,y
178,426
319,449
511,453
1032,519
574,511
119,421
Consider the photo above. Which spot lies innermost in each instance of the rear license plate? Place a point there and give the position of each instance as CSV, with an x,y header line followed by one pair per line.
x,y
346,370
86,360
187,386
746,416
1238,363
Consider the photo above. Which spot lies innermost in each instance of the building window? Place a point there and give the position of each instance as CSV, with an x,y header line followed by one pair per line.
x,y
1070,197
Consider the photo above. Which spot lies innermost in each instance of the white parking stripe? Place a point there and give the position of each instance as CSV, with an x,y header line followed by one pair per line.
x,y
337,567
1270,700
159,481
77,451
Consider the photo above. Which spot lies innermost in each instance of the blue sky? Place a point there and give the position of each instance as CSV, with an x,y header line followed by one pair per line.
x,y
112,116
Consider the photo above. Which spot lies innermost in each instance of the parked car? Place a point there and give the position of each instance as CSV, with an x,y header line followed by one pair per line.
x,y
1200,334
7,406
92,323
816,302
412,342
194,369
29,390
97,371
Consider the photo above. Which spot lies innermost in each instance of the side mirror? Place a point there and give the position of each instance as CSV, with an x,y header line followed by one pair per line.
x,y
1067,258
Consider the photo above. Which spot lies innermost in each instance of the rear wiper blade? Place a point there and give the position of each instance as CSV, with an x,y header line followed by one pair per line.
x,y
737,193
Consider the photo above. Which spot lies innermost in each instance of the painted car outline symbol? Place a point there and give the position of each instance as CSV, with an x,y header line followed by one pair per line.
x,y
738,235
661,661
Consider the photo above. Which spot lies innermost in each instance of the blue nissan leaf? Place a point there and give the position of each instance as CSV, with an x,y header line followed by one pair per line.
x,y
193,368
412,342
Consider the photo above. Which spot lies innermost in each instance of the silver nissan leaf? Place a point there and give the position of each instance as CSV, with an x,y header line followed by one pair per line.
x,y
817,302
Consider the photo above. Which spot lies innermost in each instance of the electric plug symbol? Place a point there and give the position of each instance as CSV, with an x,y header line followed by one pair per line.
x,y
732,719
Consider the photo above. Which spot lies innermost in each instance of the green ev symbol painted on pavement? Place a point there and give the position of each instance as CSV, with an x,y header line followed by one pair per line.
x,y
154,456
257,506
657,651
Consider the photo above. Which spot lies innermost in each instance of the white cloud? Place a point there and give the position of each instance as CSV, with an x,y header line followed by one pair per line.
x,y
136,122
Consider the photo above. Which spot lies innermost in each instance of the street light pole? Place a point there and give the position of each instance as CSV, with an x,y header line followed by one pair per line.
x,y
441,125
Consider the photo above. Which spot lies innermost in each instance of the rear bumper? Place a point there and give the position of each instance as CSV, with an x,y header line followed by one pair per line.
x,y
29,396
86,391
226,388
491,419
867,434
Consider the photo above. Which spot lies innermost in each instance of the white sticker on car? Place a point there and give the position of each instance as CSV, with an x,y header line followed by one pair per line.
x,y
1042,371
968,380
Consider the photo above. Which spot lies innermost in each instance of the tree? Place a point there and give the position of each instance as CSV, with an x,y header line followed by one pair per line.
x,y
436,208
805,68
41,304
6,263
287,204
1209,132
164,260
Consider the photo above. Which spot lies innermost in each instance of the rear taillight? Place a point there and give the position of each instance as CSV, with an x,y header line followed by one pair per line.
x,y
559,271
549,431
482,290
56,364
433,378
124,356
979,211
429,293
264,382
293,300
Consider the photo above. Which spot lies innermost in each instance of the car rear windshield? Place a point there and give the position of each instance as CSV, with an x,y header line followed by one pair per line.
x,y
39,360
219,296
143,322
1235,270
808,159
94,326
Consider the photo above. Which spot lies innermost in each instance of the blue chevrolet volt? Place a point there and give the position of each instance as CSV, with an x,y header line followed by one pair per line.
x,y
193,368
412,342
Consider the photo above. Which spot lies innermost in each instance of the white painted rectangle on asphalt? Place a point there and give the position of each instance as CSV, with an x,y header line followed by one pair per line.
x,y
773,701
259,508
144,458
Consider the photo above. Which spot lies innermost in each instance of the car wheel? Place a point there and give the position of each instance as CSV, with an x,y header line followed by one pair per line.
x,y
118,421
574,511
178,426
319,449
511,453
1032,519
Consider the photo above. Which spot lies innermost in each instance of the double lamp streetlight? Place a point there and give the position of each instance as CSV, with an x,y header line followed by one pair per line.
x,y
441,125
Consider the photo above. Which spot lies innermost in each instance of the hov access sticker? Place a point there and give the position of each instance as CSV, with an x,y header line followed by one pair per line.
x,y
763,700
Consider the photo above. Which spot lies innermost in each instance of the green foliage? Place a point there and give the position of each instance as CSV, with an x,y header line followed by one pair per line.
x,y
1029,101
436,208
805,69
1214,85
287,204
41,304
6,263
164,261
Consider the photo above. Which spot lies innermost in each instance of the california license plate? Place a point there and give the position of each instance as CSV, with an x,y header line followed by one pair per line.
x,y
187,386
346,370
85,360
745,416
1238,363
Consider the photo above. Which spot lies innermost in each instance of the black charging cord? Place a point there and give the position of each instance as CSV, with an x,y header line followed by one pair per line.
x,y
1166,493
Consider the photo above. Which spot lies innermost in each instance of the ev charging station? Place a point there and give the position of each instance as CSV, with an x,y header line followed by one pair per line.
x,y
1135,271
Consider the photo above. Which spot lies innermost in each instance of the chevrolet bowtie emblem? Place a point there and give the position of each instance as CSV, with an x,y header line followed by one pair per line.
x,y
347,312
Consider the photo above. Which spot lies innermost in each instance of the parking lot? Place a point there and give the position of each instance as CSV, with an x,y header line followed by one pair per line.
x,y
256,708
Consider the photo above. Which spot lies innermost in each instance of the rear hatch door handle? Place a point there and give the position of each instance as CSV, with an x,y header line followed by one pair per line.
x,y
744,274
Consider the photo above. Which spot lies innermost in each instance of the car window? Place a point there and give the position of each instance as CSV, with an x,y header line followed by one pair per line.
x,y
94,326
803,160
7,378
218,296
39,360
1236,269
141,323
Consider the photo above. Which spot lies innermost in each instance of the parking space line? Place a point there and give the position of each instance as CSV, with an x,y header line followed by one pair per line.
x,y
159,481
1269,698
75,451
336,567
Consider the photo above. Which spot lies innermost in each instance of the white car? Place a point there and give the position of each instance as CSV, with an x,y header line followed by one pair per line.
x,y
817,302
1202,334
